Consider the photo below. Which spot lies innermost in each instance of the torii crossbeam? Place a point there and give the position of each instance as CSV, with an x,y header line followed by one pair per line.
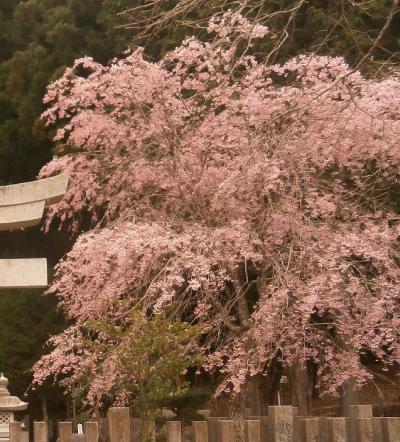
x,y
22,205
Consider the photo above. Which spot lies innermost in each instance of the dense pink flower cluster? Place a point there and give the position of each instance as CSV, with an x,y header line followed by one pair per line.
x,y
258,201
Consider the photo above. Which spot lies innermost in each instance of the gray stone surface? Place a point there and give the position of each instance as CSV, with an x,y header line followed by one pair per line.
x,y
65,431
91,431
226,430
213,428
204,413
24,436
252,430
149,431
174,431
362,430
136,429
22,205
8,402
336,429
308,430
23,273
391,429
15,431
21,216
119,424
358,411
40,432
281,423
378,429
200,431
50,190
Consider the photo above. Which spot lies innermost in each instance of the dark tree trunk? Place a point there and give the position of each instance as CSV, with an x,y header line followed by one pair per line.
x,y
300,389
238,405
349,396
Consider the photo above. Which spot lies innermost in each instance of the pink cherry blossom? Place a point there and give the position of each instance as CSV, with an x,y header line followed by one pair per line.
x,y
257,201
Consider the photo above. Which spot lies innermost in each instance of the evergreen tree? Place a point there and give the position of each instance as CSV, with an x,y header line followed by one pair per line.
x,y
26,321
39,38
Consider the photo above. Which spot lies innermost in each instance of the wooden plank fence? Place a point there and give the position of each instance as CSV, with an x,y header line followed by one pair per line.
x,y
281,425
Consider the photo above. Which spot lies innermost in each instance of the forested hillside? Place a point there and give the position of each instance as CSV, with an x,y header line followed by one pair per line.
x,y
38,39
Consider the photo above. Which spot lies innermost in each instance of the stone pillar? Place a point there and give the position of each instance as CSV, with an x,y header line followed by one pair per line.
x,y
280,423
40,432
174,431
200,431
362,430
378,429
308,429
391,429
136,429
15,431
213,428
149,431
204,413
252,430
24,436
359,411
336,429
227,431
91,431
264,426
119,424
65,431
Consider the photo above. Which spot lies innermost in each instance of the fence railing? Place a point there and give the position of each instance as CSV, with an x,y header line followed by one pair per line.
x,y
281,425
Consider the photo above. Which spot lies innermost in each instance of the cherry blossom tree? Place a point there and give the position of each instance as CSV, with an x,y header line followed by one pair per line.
x,y
258,202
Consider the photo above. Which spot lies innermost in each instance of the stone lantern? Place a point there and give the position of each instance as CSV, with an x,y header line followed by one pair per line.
x,y
8,405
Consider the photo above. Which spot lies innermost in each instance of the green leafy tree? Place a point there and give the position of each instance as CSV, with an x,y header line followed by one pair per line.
x,y
151,353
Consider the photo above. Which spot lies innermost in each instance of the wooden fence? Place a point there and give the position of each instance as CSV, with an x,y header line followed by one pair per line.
x,y
281,425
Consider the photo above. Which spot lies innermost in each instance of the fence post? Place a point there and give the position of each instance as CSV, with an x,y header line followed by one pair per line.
x,y
15,431
200,431
336,429
308,429
65,431
359,411
149,431
119,424
391,429
280,423
252,430
378,427
91,431
355,427
40,432
362,430
136,429
226,430
174,431
213,428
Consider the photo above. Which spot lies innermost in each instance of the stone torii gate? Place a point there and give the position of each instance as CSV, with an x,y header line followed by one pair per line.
x,y
22,205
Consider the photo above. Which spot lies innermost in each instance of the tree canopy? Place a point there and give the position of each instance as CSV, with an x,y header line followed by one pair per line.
x,y
257,201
